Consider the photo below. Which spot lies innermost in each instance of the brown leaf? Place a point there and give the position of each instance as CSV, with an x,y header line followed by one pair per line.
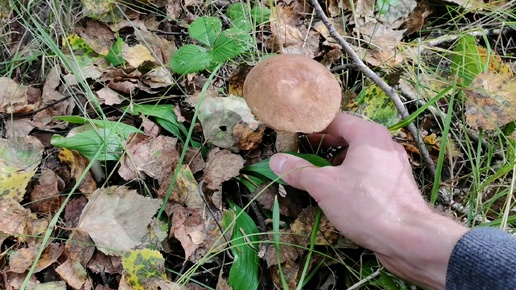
x,y
78,163
222,165
73,273
79,247
45,197
13,97
102,263
73,211
236,81
155,157
289,249
136,55
491,101
22,259
109,96
98,36
304,224
117,218
18,128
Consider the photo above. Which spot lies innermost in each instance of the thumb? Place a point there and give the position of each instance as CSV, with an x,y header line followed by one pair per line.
x,y
295,171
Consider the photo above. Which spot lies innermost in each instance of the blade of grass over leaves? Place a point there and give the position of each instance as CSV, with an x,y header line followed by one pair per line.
x,y
276,229
244,270
313,237
405,122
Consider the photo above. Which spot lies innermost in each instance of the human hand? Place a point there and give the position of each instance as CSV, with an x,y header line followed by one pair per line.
x,y
372,198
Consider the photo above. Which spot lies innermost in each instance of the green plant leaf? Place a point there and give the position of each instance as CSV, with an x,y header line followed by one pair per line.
x,y
125,129
164,115
239,13
262,169
243,274
205,30
383,6
260,14
110,143
190,58
466,61
114,56
231,43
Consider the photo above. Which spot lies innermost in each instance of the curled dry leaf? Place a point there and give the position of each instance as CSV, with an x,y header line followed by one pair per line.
x,y
491,101
222,165
79,247
116,218
195,231
22,259
14,98
289,249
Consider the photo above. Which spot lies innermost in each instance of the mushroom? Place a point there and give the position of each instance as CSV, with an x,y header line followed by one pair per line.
x,y
292,94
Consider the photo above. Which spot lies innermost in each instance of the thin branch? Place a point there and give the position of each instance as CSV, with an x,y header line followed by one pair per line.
x,y
391,92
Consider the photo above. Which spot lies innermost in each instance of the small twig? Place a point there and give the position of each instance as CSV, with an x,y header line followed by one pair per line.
x,y
341,67
379,82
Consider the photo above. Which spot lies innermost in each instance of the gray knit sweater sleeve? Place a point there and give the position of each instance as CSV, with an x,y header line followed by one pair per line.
x,y
484,258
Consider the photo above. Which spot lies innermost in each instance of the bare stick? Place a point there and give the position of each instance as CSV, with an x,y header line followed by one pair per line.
x,y
379,82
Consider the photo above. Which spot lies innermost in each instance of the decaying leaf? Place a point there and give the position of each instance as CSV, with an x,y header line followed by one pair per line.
x,y
78,163
14,98
222,165
491,101
73,273
155,157
136,55
116,218
79,247
45,197
16,221
304,224
19,159
109,96
196,230
144,268
289,249
185,191
228,123
22,259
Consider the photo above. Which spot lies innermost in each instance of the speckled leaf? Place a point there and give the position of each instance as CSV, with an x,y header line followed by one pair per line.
x,y
374,104
228,123
82,51
144,268
19,159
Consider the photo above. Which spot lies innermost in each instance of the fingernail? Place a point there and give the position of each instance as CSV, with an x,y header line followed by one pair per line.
x,y
276,163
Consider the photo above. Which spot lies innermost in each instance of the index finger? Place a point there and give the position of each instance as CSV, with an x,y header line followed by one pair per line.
x,y
353,130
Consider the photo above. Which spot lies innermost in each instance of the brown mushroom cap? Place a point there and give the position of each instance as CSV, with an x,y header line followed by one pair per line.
x,y
292,93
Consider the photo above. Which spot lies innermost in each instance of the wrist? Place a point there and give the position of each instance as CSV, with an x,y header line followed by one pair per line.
x,y
420,250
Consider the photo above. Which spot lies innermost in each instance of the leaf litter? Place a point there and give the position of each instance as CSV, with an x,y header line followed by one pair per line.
x,y
110,225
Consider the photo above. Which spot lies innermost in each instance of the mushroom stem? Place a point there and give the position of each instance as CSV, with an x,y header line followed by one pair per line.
x,y
287,141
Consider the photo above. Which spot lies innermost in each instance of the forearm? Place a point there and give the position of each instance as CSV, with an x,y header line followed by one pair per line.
x,y
421,249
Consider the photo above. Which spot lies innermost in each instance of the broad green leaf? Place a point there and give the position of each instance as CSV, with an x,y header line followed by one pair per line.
x,y
125,129
466,60
144,268
260,14
205,30
231,43
237,10
110,143
190,58
262,169
243,274
383,5
165,116
374,104
114,56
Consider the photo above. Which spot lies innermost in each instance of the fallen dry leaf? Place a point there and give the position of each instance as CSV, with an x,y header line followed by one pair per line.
x,y
304,224
289,249
195,231
228,123
155,157
79,247
185,191
102,263
45,197
109,96
18,128
222,165
21,260
136,55
14,99
116,218
73,273
19,159
97,35
78,163
491,101
60,105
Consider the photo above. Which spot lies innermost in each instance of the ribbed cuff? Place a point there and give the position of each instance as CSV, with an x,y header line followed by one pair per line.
x,y
484,258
